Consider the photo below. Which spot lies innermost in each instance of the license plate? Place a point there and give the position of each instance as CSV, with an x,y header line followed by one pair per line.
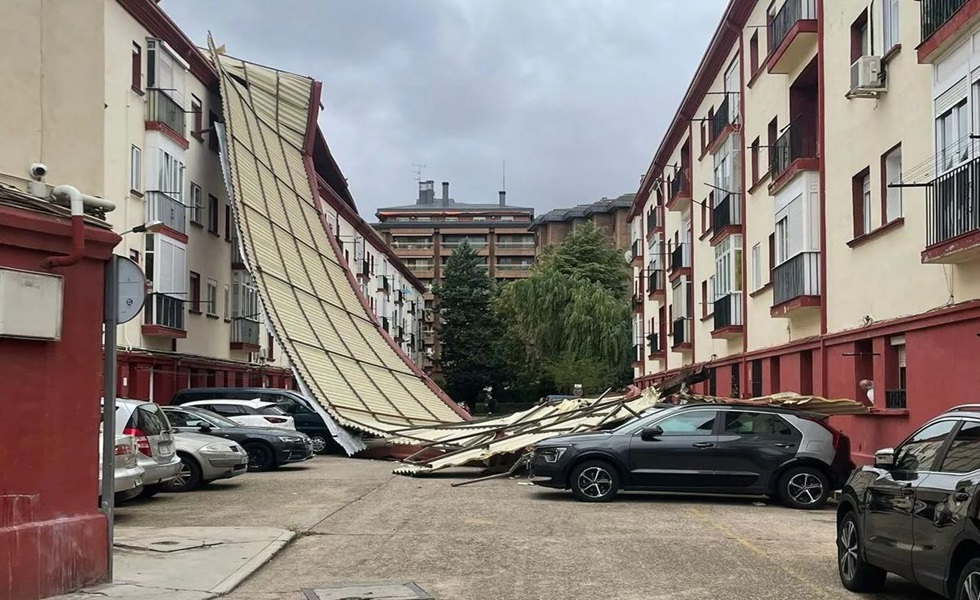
x,y
139,482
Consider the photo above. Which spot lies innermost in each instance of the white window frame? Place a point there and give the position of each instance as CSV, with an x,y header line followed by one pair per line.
x,y
952,137
136,169
679,299
728,267
212,298
893,175
196,204
782,241
891,30
170,278
866,204
756,267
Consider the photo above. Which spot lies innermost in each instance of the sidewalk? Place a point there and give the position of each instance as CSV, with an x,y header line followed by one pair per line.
x,y
185,563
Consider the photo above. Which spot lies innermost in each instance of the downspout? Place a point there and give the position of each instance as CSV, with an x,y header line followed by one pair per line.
x,y
743,200
821,145
77,201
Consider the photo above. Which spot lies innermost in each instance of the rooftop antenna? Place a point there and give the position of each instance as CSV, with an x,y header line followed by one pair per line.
x,y
503,175
418,172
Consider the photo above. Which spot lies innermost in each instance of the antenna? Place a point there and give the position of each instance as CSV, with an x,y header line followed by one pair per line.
x,y
503,176
418,172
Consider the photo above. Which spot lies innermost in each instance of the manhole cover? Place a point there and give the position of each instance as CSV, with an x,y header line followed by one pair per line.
x,y
369,591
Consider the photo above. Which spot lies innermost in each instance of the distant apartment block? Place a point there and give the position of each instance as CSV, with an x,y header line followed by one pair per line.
x,y
611,216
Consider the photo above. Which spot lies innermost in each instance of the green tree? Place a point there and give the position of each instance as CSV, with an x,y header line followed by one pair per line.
x,y
470,332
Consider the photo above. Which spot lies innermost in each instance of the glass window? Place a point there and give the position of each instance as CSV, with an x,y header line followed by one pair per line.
x,y
893,175
697,422
890,18
151,420
963,455
226,409
756,267
747,423
919,452
179,418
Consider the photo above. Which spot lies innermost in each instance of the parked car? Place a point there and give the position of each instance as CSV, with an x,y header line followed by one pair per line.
x,y
306,419
154,441
267,448
254,413
127,474
203,459
914,512
702,448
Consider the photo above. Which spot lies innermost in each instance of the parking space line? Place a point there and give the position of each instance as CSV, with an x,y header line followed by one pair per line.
x,y
721,527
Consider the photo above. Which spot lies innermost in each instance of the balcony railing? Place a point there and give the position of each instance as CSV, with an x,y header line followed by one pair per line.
x,y
384,323
475,244
516,245
795,143
637,352
383,284
728,310
798,276
677,184
161,206
895,399
245,331
636,249
680,258
656,281
512,267
953,204
681,330
935,13
722,118
411,245
791,12
161,108
655,218
164,311
637,299
365,269
726,213
653,343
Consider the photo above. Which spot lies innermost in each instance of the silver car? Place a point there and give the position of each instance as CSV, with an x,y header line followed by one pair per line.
x,y
203,459
128,475
154,441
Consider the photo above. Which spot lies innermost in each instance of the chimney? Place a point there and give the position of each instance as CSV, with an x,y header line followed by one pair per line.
x,y
445,192
503,198
426,192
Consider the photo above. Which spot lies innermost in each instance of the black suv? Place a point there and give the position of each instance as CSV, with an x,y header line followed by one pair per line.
x,y
702,448
915,512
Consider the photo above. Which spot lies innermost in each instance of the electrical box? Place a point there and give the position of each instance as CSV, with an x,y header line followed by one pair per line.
x,y
31,305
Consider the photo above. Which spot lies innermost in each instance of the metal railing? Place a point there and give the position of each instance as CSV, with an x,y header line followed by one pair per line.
x,y
656,281
636,249
161,108
722,118
384,323
516,245
411,245
953,203
798,276
476,244
680,258
796,142
726,212
245,331
677,184
384,285
164,310
791,12
935,14
655,218
681,330
728,310
637,352
512,267
653,343
365,269
161,206
895,399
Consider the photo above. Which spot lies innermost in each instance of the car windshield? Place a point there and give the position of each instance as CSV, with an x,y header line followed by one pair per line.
x,y
644,418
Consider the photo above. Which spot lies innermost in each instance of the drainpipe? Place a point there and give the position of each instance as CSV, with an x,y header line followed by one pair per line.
x,y
77,200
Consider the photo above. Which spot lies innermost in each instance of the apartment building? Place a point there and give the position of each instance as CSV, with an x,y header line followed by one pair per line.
x,y
611,216
424,235
805,223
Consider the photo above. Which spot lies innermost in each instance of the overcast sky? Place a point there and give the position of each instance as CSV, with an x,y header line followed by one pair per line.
x,y
573,94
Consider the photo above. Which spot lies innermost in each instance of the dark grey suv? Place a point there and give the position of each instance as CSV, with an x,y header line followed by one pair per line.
x,y
702,448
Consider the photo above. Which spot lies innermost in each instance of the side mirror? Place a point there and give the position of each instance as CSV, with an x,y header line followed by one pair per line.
x,y
885,458
205,428
651,433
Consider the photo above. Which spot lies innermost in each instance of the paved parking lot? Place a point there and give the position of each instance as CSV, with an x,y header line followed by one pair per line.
x,y
500,540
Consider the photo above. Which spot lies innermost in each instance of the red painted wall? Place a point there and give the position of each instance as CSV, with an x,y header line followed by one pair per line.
x,y
52,535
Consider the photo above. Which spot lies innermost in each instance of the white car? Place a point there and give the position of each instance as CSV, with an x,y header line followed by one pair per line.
x,y
253,413
128,475
154,441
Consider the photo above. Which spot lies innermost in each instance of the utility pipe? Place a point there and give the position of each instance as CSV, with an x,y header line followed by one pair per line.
x,y
77,201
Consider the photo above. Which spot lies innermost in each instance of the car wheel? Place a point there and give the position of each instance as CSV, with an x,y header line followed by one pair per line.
x,y
855,574
320,444
188,477
804,487
968,586
594,481
260,457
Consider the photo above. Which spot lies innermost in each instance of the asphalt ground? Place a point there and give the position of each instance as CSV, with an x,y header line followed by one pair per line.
x,y
499,539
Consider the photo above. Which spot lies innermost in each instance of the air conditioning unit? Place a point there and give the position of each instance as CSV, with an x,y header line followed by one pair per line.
x,y
866,75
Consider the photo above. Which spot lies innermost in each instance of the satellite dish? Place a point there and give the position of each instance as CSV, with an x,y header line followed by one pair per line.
x,y
628,255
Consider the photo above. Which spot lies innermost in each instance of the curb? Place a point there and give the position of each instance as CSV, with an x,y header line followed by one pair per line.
x,y
254,564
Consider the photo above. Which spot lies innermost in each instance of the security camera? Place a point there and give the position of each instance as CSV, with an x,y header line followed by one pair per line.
x,y
38,171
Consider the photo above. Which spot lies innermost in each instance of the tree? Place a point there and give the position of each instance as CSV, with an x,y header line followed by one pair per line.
x,y
470,332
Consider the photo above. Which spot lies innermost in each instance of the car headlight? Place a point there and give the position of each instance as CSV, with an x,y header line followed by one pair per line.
x,y
551,455
290,439
216,447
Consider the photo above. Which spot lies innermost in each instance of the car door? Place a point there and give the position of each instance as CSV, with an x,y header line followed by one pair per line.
x,y
678,459
943,501
751,446
890,499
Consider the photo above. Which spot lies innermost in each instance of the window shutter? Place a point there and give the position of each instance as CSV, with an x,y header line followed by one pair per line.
x,y
952,96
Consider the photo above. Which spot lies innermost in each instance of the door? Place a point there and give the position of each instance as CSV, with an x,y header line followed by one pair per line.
x,y
891,499
942,500
680,458
751,447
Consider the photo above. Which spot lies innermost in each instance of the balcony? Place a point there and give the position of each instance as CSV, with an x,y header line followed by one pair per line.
x,y
953,216
637,355
680,192
728,316
384,284
726,217
792,35
164,114
656,283
365,269
796,284
795,150
723,121
895,399
655,219
163,316
637,251
384,323
637,302
163,207
680,260
245,334
653,345
681,328
941,23
512,270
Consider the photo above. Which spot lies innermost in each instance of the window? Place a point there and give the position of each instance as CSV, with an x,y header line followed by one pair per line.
x,y
197,204
164,71
166,265
507,218
919,452
227,221
212,214
213,131
756,267
782,240
728,266
889,9
197,116
704,298
953,137
755,161
891,167
227,306
754,52
861,201
135,169
963,455
860,40
270,347
772,255
195,292
134,255
452,219
136,76
479,218
772,134
696,422
746,423
212,300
